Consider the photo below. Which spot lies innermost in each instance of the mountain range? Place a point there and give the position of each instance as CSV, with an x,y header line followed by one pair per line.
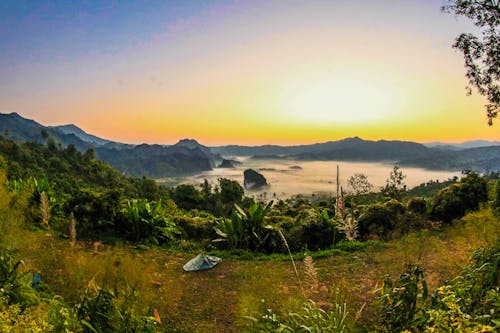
x,y
190,157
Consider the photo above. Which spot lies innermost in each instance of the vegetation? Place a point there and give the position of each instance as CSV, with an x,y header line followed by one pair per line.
x,y
481,54
102,253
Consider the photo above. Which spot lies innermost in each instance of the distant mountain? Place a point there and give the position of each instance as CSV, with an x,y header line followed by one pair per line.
x,y
158,161
72,129
483,159
185,157
401,152
345,149
190,157
356,149
463,145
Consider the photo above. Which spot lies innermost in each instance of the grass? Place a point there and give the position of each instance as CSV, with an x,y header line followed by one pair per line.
x,y
216,300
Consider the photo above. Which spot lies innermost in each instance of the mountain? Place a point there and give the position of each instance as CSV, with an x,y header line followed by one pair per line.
x,y
17,128
463,145
483,159
356,149
189,157
346,149
156,161
72,129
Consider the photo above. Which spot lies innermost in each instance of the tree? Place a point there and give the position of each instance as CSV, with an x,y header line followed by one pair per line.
x,y
230,191
395,186
454,201
360,184
481,55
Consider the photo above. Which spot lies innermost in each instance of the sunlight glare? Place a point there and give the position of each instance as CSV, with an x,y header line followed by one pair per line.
x,y
340,99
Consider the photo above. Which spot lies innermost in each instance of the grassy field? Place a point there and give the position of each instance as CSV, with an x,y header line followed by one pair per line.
x,y
216,300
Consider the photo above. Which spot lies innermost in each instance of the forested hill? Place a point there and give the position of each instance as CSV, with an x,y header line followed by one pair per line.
x,y
156,161
67,170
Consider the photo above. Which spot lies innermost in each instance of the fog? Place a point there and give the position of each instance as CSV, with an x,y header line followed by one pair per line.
x,y
289,177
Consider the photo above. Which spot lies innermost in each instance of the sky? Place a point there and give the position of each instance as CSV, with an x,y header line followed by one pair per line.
x,y
240,72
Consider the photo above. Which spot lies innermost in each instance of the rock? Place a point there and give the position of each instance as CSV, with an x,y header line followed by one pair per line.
x,y
226,164
295,167
253,179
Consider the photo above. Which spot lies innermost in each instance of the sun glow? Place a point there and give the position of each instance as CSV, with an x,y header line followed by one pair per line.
x,y
340,99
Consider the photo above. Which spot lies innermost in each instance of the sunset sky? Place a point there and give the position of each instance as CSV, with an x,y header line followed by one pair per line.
x,y
247,72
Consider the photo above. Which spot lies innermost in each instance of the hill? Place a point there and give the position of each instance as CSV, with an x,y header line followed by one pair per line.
x,y
186,157
482,159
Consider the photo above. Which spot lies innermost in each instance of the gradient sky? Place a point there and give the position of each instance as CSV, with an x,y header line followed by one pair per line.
x,y
248,72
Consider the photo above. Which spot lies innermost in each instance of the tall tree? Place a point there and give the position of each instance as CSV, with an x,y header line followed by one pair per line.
x,y
481,54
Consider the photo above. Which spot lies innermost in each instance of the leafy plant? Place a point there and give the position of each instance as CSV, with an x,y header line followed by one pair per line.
x,y
245,230
401,300
311,318
15,285
147,221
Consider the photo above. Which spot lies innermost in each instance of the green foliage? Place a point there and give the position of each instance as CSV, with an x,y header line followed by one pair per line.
x,y
455,200
146,221
311,318
469,303
230,191
395,187
481,54
496,198
379,220
94,211
198,228
401,300
430,188
186,196
417,206
15,285
246,230
313,229
360,184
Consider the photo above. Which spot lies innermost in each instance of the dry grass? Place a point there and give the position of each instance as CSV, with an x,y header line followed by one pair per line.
x,y
215,300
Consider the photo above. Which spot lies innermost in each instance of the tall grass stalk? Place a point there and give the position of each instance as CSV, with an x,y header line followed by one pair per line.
x,y
45,209
293,262
72,229
311,273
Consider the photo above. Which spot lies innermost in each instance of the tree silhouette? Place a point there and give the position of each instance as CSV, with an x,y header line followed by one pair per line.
x,y
481,55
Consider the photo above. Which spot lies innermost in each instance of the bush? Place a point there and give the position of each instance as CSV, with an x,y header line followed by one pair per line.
x,y
144,221
468,303
417,206
312,230
379,220
496,198
15,285
454,201
196,228
402,300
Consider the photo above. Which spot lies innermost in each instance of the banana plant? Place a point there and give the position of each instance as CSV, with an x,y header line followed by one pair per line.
x,y
244,230
148,221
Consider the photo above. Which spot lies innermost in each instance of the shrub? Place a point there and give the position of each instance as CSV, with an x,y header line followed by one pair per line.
x,y
496,198
196,228
401,300
417,205
15,285
146,221
247,230
454,201
379,220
